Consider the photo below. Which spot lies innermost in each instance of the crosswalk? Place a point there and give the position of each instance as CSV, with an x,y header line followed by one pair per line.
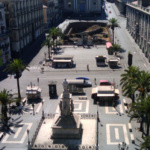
x,y
36,67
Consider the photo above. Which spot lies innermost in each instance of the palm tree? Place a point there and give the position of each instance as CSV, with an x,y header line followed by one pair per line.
x,y
143,83
113,23
55,33
115,48
16,66
146,143
140,109
48,43
129,86
5,98
135,80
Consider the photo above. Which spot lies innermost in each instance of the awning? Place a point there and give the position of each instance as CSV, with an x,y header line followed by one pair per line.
x,y
108,45
31,92
60,57
94,90
61,60
113,60
105,95
116,91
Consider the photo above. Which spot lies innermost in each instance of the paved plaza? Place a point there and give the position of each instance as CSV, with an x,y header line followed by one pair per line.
x,y
114,126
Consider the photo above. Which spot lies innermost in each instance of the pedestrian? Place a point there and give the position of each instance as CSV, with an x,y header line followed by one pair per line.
x,y
87,67
95,81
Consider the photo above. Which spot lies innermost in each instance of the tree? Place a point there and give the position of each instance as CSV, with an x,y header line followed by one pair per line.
x,y
113,23
135,80
141,108
55,33
16,66
146,143
5,98
48,43
129,86
115,48
143,82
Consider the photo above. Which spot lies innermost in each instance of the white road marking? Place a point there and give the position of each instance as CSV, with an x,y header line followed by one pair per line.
x,y
124,101
39,107
121,109
79,102
132,136
145,65
79,106
129,125
17,132
106,109
34,68
108,133
23,137
117,133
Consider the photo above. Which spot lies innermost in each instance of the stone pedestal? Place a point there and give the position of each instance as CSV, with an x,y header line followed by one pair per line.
x,y
66,124
67,127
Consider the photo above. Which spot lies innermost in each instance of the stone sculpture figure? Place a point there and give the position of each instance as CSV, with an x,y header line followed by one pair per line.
x,y
72,106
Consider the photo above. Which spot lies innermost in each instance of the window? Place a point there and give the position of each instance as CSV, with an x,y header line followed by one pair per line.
x,y
1,18
69,4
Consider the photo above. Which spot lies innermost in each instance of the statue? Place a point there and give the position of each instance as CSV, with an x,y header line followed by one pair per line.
x,y
60,106
65,85
72,106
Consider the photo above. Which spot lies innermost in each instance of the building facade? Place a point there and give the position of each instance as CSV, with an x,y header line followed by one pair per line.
x,y
5,54
52,11
121,5
82,6
138,24
24,19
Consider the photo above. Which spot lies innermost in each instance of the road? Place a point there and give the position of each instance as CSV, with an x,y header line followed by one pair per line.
x,y
114,125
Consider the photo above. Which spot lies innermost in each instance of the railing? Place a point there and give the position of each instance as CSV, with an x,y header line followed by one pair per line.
x,y
141,7
64,147
37,131
61,146
83,116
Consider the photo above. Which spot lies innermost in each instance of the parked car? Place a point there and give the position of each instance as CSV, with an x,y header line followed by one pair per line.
x,y
105,82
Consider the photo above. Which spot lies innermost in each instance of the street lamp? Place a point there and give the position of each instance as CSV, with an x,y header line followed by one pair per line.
x,y
33,107
98,112
123,146
28,136
42,109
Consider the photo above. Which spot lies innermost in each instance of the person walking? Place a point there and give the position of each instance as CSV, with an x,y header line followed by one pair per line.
x,y
87,67
95,81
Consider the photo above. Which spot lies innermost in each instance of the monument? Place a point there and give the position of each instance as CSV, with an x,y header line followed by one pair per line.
x,y
66,124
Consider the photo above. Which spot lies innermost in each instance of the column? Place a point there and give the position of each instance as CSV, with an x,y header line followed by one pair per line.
x,y
87,5
74,5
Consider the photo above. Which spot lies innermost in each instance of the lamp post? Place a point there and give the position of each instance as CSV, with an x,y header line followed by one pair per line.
x,y
31,90
123,146
28,136
33,107
97,112
97,125
42,109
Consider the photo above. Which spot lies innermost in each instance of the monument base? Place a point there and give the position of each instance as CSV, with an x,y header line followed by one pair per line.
x,y
67,127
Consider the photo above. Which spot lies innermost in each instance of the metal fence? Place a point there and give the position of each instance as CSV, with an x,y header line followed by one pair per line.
x,y
64,147
83,116
61,146
37,131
